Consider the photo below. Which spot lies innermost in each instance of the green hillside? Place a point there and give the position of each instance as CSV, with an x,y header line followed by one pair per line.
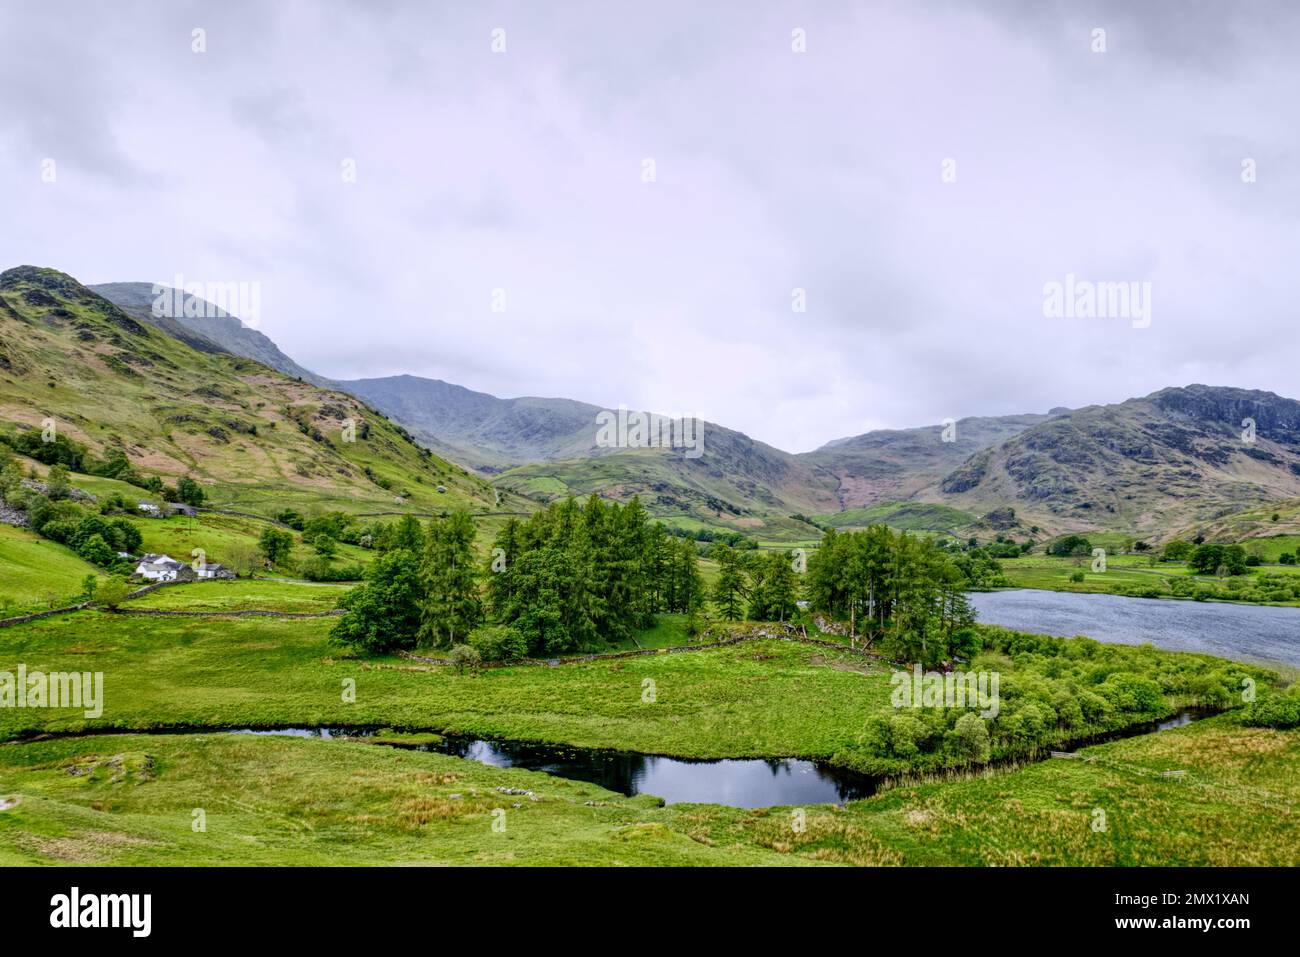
x,y
256,440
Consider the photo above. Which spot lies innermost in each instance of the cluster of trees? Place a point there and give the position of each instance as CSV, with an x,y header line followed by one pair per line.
x,y
1070,546
578,575
1218,560
894,586
721,536
1210,559
53,514
567,579
575,575
1052,691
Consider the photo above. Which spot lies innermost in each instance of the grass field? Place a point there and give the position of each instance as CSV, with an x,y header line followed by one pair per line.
x,y
1128,574
137,799
745,700
36,574
244,595
904,516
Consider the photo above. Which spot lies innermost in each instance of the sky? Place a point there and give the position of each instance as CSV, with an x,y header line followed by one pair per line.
x,y
799,220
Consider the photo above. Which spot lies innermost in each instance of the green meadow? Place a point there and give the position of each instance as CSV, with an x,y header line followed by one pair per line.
x,y
224,799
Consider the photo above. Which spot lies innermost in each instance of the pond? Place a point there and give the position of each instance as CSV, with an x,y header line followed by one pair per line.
x,y
747,782
753,782
1259,633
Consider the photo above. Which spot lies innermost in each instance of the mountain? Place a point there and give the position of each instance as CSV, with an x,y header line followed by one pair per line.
x,y
1151,466
1147,465
255,437
214,328
481,430
894,464
548,448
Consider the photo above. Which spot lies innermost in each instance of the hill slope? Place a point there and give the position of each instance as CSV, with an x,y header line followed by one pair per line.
x,y
216,328
481,430
548,448
1148,465
255,437
894,464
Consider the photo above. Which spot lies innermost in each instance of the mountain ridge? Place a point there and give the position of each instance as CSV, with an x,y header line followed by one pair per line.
x,y
1172,458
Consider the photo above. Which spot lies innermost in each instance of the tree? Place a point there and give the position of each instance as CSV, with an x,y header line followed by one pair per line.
x,y
129,538
275,545
451,605
687,591
190,492
383,614
242,558
729,589
773,587
96,551
111,594
404,533
1070,545
324,546
57,483
1178,551
89,585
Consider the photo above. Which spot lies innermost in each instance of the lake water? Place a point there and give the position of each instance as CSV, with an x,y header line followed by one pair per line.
x,y
1242,632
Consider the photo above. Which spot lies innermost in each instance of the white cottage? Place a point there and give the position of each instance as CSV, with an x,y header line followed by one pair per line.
x,y
212,570
159,568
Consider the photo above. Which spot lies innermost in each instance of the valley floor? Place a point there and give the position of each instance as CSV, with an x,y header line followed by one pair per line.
x,y
140,799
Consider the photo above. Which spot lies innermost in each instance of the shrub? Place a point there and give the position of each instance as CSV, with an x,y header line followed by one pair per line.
x,y
111,593
1274,711
465,656
969,739
498,643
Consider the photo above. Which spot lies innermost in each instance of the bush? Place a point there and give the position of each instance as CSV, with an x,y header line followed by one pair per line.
x,y
498,643
465,656
1274,711
111,594
969,739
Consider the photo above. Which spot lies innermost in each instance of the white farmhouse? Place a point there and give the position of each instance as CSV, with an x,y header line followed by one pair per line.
x,y
159,568
212,570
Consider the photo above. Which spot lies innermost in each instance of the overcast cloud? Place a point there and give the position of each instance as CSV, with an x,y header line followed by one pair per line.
x,y
523,171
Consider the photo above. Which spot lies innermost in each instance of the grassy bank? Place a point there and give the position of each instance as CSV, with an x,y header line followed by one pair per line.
x,y
269,800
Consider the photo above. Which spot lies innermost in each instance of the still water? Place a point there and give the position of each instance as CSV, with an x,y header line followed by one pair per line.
x,y
1241,632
